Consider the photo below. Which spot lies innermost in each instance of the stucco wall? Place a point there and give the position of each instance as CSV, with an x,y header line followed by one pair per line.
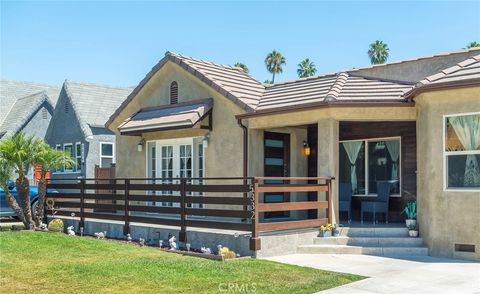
x,y
445,217
224,155
415,70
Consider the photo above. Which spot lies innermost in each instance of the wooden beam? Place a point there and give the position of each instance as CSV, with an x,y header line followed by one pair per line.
x,y
267,207
291,188
287,225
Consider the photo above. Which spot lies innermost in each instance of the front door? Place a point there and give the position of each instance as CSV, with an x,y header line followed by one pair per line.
x,y
276,164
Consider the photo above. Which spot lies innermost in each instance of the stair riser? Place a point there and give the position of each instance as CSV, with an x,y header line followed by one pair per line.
x,y
363,250
374,232
370,241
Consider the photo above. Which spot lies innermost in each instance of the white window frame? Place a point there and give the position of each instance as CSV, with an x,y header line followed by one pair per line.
x,y
400,167
65,170
444,154
106,156
79,168
58,147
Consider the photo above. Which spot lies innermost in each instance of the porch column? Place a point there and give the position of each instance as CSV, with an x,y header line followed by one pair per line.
x,y
327,165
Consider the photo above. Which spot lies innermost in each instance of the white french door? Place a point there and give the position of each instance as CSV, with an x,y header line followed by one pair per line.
x,y
168,160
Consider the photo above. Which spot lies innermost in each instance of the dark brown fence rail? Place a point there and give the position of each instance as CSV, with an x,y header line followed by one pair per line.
x,y
215,203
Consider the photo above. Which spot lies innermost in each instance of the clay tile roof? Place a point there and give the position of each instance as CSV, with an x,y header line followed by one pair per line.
x,y
468,69
341,87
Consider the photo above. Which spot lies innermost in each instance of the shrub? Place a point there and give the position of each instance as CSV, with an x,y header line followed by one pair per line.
x,y
227,253
55,225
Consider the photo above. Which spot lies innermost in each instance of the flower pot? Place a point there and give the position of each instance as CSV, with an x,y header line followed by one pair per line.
x,y
326,234
413,233
410,222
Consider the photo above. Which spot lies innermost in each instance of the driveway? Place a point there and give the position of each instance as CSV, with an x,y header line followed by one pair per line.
x,y
394,275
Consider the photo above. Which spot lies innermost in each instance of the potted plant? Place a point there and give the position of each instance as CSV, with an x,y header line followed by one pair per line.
x,y
411,212
326,230
336,230
413,230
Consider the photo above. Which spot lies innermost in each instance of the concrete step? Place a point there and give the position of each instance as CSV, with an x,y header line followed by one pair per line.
x,y
374,232
370,250
370,241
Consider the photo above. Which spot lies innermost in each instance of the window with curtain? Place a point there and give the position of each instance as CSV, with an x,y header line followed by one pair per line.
x,y
365,162
462,151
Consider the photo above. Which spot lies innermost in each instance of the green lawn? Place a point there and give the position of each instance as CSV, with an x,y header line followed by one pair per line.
x,y
55,263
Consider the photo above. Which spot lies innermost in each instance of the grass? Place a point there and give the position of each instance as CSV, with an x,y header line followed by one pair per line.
x,y
55,263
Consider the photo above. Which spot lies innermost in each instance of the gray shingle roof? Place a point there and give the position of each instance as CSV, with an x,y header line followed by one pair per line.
x,y
21,111
11,91
94,103
341,87
466,70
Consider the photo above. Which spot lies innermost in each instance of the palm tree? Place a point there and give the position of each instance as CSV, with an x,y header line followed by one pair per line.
x,y
306,68
47,158
473,44
267,82
6,172
378,52
274,62
19,152
242,66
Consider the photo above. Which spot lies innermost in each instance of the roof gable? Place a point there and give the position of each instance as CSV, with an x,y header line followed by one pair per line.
x,y
94,103
229,81
11,91
22,111
466,70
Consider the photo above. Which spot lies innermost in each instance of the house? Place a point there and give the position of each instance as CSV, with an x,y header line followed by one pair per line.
x,y
77,126
391,122
27,107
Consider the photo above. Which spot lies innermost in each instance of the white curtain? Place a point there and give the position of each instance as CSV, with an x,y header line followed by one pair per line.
x,y
352,149
394,151
467,129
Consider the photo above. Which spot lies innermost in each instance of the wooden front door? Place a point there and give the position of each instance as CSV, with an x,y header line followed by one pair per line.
x,y
276,164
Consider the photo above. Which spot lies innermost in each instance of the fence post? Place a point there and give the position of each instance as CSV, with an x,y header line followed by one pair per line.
x,y
182,235
255,243
126,227
81,223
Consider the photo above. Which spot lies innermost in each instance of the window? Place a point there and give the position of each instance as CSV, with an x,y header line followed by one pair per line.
x,y
173,93
106,154
68,148
58,147
44,113
365,162
79,155
462,151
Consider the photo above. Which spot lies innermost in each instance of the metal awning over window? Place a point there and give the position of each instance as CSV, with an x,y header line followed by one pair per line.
x,y
168,117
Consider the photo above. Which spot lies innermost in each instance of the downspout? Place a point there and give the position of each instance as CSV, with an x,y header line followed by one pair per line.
x,y
245,147
245,158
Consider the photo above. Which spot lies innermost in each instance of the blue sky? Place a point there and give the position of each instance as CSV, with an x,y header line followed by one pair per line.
x,y
118,42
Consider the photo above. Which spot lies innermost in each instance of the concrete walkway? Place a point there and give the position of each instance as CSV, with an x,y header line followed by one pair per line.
x,y
422,274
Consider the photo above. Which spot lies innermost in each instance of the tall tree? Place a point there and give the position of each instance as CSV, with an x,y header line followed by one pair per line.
x,y
274,62
378,52
306,68
473,44
242,66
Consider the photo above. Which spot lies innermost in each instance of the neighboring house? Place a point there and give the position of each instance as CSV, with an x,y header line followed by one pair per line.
x,y
26,107
392,122
77,126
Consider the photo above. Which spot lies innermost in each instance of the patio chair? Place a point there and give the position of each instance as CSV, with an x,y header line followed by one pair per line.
x,y
345,199
380,205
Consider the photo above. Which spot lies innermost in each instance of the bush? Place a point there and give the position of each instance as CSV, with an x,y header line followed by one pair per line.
x,y
56,225
227,253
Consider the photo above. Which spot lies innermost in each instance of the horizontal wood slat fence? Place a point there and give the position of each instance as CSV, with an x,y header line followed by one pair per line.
x,y
188,202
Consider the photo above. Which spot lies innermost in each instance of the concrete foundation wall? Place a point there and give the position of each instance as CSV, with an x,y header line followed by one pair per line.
x,y
447,217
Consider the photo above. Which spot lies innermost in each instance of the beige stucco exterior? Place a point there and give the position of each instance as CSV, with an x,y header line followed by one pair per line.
x,y
446,218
